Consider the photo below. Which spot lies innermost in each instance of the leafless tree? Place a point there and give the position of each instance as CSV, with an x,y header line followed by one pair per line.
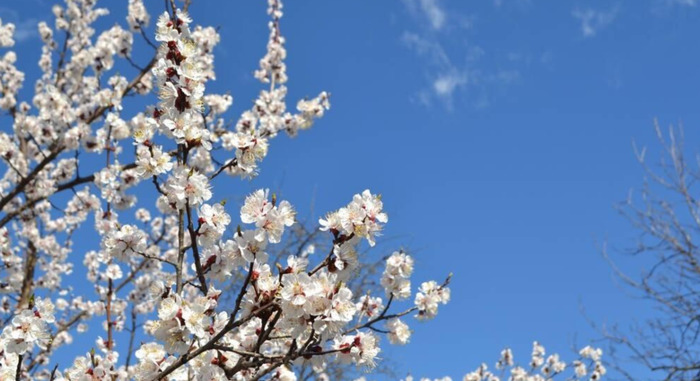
x,y
665,213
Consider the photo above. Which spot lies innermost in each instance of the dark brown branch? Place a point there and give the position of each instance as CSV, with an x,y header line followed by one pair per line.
x,y
28,280
195,252
18,373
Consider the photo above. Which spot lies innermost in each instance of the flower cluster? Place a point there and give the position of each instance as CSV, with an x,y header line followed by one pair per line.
x,y
539,369
278,307
28,328
180,82
125,242
399,333
363,217
269,115
187,187
180,319
369,306
268,217
11,79
428,297
361,349
272,66
137,16
592,357
93,366
397,273
213,221
6,32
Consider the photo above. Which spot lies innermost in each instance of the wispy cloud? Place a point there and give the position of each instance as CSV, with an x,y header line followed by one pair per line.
x,y
444,76
454,73
426,47
689,3
671,8
592,21
25,29
428,10
446,83
434,13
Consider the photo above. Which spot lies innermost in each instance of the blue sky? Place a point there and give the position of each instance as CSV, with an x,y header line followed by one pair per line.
x,y
498,132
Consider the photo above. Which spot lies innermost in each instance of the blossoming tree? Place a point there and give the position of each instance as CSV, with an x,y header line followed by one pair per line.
x,y
73,155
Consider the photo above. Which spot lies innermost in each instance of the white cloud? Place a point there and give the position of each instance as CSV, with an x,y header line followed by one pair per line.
x,y
434,13
428,10
443,75
451,73
430,48
446,83
592,21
